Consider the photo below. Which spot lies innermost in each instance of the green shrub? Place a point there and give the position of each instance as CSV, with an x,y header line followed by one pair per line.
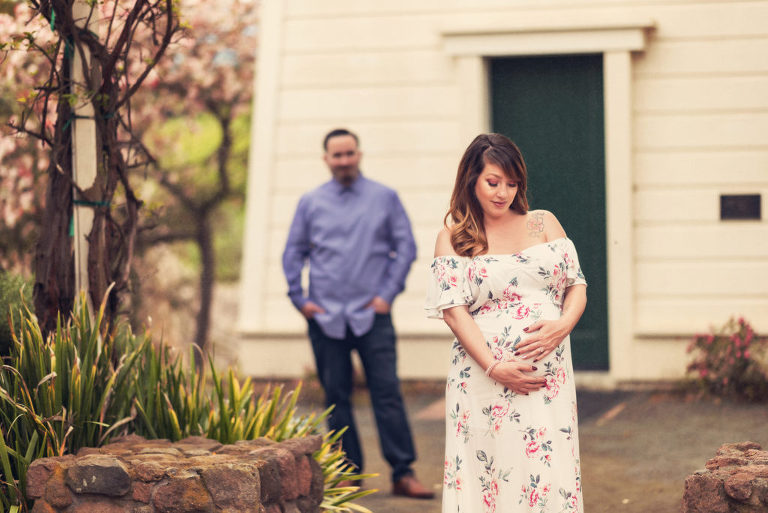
x,y
85,384
731,361
62,393
14,290
174,400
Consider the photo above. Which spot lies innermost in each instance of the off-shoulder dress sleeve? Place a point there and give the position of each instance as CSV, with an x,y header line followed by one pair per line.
x,y
573,273
448,285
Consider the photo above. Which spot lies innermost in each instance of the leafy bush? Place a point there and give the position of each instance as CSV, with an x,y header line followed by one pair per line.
x,y
731,361
14,290
173,400
59,394
85,384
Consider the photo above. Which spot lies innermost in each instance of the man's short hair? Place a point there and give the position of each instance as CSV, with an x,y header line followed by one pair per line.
x,y
337,132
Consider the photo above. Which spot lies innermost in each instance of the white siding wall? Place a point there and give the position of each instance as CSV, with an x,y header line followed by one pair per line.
x,y
701,118
700,128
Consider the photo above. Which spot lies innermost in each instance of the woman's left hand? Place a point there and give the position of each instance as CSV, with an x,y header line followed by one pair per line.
x,y
544,337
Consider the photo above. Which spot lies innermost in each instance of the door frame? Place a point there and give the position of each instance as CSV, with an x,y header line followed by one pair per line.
x,y
471,46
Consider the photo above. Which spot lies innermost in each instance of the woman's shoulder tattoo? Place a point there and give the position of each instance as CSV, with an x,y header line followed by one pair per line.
x,y
535,223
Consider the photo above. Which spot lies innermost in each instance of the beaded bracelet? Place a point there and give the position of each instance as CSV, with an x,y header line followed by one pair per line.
x,y
491,367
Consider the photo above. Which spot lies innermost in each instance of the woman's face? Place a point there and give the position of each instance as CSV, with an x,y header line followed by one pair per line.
x,y
495,191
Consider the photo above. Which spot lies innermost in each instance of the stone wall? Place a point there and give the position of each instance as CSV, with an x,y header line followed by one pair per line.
x,y
735,481
195,475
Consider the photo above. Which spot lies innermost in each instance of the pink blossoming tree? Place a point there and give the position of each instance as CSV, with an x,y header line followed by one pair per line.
x,y
189,73
206,81
115,65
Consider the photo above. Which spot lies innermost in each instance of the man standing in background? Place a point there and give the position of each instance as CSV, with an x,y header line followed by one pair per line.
x,y
357,238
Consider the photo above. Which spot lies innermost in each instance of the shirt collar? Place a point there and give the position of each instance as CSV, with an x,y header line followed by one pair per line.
x,y
354,187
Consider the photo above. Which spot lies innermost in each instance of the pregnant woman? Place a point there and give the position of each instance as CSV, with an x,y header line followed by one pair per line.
x,y
507,281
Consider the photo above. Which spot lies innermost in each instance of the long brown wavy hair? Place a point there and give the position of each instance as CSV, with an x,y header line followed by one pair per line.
x,y
467,230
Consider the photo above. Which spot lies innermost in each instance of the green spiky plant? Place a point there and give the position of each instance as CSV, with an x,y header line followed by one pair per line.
x,y
62,393
14,289
87,383
172,402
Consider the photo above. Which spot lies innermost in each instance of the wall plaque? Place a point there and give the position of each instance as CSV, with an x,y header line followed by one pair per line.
x,y
740,206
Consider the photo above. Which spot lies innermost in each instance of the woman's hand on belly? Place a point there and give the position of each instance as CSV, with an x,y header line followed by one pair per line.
x,y
543,337
516,377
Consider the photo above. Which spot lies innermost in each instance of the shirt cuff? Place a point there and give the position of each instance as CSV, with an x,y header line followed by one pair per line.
x,y
388,296
298,301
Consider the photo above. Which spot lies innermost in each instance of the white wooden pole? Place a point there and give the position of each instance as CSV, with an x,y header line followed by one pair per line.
x,y
84,157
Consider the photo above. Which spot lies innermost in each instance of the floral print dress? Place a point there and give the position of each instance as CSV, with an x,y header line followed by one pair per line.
x,y
506,452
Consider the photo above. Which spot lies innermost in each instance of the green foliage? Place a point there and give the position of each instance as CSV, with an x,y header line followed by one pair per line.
x,y
169,400
194,141
14,290
338,496
87,383
228,241
731,362
174,402
187,146
59,394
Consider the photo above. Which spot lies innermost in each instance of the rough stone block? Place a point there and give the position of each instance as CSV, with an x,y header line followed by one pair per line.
x,y
269,477
741,446
37,476
286,469
99,506
305,445
287,466
303,475
290,507
195,452
736,480
739,486
99,474
182,494
198,443
256,442
198,462
704,494
725,461
42,507
56,492
233,486
231,450
757,457
761,492
141,492
131,440
307,505
318,483
149,471
87,451
170,451
137,476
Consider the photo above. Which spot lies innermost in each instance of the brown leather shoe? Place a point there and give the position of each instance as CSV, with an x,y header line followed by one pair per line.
x,y
350,482
409,486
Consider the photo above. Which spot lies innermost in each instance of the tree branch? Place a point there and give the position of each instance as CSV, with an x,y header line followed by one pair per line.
x,y
170,28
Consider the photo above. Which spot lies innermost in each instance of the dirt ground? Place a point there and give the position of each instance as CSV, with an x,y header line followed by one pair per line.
x,y
636,447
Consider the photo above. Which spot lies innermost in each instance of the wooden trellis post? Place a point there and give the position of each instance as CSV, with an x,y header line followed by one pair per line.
x,y
84,154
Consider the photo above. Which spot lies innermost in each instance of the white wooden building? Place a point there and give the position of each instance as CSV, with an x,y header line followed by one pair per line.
x,y
674,100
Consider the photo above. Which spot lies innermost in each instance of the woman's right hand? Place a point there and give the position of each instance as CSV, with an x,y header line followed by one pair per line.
x,y
515,376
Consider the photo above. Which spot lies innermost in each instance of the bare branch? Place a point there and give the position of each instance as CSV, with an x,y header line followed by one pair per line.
x,y
169,31
109,66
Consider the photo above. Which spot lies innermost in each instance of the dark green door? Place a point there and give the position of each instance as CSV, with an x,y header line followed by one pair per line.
x,y
552,107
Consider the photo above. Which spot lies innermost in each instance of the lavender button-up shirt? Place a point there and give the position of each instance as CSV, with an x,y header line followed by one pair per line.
x,y
359,244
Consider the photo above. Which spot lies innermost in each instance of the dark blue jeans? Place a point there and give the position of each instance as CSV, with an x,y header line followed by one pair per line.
x,y
334,369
